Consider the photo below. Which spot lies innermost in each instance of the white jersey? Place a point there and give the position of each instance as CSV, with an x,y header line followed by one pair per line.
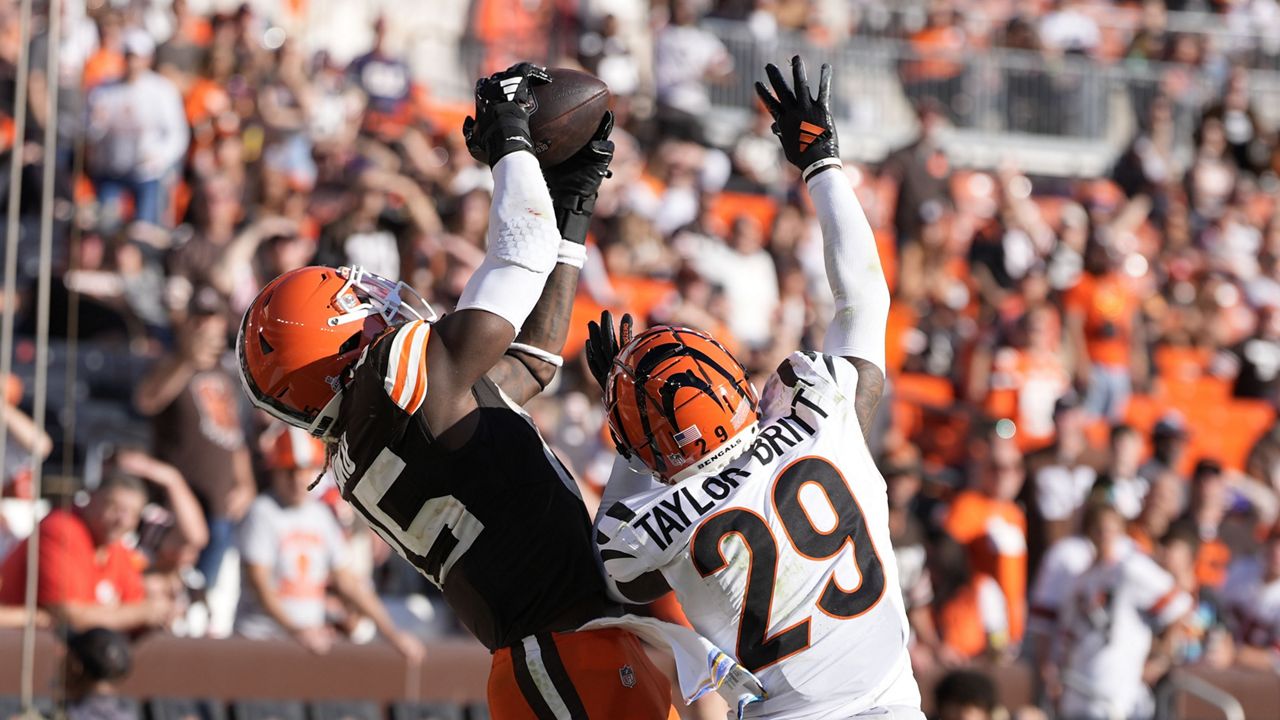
x,y
1065,561
783,558
1256,605
1110,616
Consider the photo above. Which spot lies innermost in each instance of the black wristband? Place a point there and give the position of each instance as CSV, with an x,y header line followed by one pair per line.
x,y
573,216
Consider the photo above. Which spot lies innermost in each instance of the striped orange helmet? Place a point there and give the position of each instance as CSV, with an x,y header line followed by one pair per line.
x,y
306,330
680,403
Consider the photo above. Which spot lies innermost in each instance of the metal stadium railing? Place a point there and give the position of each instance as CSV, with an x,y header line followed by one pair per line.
x,y
1070,114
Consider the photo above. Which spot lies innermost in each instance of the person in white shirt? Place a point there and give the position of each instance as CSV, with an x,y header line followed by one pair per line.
x,y
1116,626
1255,600
137,135
292,551
685,57
746,272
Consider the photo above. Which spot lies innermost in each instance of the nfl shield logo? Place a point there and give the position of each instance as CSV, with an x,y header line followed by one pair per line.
x,y
628,676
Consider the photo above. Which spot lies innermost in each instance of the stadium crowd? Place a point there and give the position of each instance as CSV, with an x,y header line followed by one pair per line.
x,y
1091,363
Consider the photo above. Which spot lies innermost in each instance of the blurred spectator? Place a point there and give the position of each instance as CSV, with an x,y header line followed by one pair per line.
x,y
1063,563
193,402
973,615
1128,487
1117,623
1255,360
922,173
745,270
1169,440
605,53
965,695
1240,123
1207,506
385,81
1069,28
292,550
986,519
910,550
97,660
1162,505
1106,332
137,135
370,234
1256,602
98,580
1204,636
1061,476
685,58
24,443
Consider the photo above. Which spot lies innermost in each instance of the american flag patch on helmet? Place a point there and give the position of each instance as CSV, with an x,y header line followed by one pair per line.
x,y
688,435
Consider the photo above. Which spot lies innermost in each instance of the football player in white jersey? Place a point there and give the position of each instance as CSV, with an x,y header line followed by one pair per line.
x,y
767,514
1116,612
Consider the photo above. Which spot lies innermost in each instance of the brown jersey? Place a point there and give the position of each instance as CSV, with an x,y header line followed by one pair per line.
x,y
497,524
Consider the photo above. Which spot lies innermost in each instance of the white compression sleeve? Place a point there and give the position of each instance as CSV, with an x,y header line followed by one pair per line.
x,y
853,271
523,243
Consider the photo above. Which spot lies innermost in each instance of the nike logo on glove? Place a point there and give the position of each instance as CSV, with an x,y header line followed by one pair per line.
x,y
808,133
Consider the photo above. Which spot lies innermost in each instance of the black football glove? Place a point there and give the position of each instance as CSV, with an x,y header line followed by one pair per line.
x,y
575,182
603,345
802,123
504,101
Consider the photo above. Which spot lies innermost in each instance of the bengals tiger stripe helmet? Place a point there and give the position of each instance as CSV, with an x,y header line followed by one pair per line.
x,y
304,332
680,403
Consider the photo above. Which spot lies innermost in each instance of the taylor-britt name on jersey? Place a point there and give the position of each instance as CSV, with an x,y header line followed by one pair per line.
x,y
682,506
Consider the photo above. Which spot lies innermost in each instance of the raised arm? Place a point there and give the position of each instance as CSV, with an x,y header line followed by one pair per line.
x,y
808,134
523,244
534,357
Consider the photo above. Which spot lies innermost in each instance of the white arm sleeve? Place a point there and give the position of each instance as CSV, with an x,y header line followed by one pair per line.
x,y
523,243
853,271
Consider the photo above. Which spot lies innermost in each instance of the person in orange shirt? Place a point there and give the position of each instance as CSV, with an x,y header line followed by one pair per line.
x,y
972,615
986,519
106,64
1207,507
1102,322
88,577
1028,378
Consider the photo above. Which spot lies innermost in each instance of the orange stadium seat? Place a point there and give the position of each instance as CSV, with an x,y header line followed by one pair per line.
x,y
729,206
913,394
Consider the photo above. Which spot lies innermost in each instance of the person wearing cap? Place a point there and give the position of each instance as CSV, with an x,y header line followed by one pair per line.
x,y
136,135
292,551
97,661
1168,447
194,406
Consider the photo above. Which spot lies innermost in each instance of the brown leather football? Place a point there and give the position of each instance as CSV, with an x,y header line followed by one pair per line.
x,y
567,113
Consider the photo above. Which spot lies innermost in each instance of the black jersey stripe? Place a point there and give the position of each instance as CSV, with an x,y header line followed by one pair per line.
x,y
524,680
607,554
621,512
560,677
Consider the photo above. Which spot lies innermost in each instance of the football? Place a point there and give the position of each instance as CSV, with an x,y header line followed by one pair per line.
x,y
566,114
